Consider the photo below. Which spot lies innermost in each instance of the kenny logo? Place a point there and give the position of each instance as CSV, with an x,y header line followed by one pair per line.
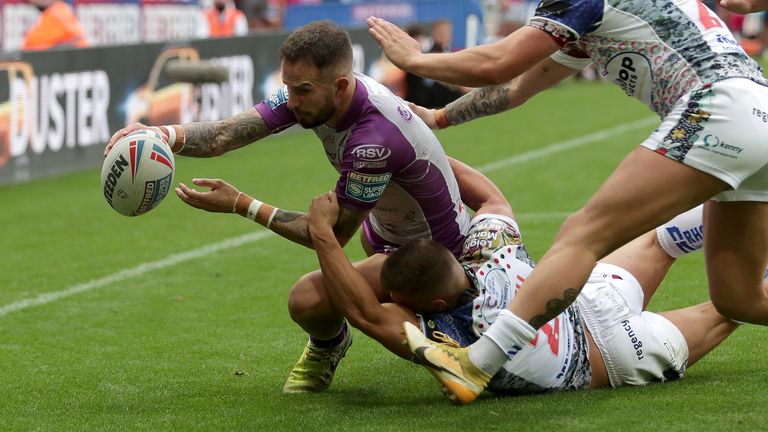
x,y
371,152
714,141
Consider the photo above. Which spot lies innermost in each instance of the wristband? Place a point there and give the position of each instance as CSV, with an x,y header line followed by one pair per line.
x,y
253,209
440,119
271,217
176,137
242,203
234,206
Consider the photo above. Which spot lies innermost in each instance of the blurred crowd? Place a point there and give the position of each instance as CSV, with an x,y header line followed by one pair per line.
x,y
57,25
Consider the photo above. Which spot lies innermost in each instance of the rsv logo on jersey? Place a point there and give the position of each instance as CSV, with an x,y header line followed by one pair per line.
x,y
371,152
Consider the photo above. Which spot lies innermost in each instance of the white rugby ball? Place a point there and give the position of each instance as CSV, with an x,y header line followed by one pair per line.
x,y
137,173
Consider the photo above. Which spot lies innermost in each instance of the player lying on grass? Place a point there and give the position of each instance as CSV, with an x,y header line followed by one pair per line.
x,y
604,339
679,59
394,178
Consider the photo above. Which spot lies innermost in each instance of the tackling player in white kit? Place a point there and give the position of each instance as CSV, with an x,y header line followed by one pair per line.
x,y
678,58
606,339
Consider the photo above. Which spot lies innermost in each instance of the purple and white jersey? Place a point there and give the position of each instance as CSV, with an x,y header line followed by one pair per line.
x,y
556,359
655,50
389,162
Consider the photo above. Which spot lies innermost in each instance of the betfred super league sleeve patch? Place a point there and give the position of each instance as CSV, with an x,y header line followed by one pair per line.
x,y
366,187
279,97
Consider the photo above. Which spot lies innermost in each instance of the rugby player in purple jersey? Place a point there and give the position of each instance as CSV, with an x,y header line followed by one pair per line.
x,y
394,178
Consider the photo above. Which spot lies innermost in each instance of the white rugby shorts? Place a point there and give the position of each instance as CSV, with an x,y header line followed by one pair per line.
x,y
637,347
721,129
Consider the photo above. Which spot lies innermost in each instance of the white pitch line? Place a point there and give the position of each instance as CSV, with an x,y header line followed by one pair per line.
x,y
234,242
134,272
569,144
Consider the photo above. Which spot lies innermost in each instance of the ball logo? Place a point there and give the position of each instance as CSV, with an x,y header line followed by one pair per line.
x,y
135,149
159,155
113,175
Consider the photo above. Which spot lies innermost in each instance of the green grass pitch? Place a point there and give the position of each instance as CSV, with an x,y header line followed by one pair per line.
x,y
177,320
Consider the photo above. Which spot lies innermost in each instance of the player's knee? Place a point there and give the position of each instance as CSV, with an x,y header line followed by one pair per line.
x,y
580,231
730,307
303,297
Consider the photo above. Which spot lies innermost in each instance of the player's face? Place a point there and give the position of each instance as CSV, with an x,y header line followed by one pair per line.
x,y
310,93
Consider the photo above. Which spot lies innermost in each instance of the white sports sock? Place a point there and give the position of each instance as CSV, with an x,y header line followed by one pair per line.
x,y
501,342
683,234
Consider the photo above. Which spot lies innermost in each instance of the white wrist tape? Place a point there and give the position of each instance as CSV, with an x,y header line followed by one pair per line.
x,y
271,216
171,131
253,209
237,198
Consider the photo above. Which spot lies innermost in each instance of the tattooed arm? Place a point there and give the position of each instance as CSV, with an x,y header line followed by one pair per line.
x,y
224,198
294,226
207,139
487,101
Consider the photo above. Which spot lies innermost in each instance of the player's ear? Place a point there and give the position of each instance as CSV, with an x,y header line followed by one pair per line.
x,y
440,304
342,84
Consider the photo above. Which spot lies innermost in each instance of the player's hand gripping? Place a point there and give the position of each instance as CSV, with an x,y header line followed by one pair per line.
x,y
133,127
426,114
323,212
221,197
397,45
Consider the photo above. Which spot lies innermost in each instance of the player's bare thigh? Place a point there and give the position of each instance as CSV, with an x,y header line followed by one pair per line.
x,y
646,190
736,252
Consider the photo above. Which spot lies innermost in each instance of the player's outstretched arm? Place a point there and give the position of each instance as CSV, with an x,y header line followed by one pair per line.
x,y
347,288
492,100
745,6
292,225
481,65
205,139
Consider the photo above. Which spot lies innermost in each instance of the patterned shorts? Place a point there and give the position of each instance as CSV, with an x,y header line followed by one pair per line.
x,y
722,130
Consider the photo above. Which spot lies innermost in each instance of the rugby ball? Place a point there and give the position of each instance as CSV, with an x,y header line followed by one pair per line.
x,y
137,173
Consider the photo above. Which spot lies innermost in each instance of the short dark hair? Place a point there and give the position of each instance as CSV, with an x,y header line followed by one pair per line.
x,y
322,43
418,268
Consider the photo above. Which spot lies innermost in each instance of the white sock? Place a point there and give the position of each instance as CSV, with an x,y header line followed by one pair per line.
x,y
501,342
683,234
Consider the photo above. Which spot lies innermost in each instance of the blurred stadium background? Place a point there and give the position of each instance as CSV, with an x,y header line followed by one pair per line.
x,y
177,320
